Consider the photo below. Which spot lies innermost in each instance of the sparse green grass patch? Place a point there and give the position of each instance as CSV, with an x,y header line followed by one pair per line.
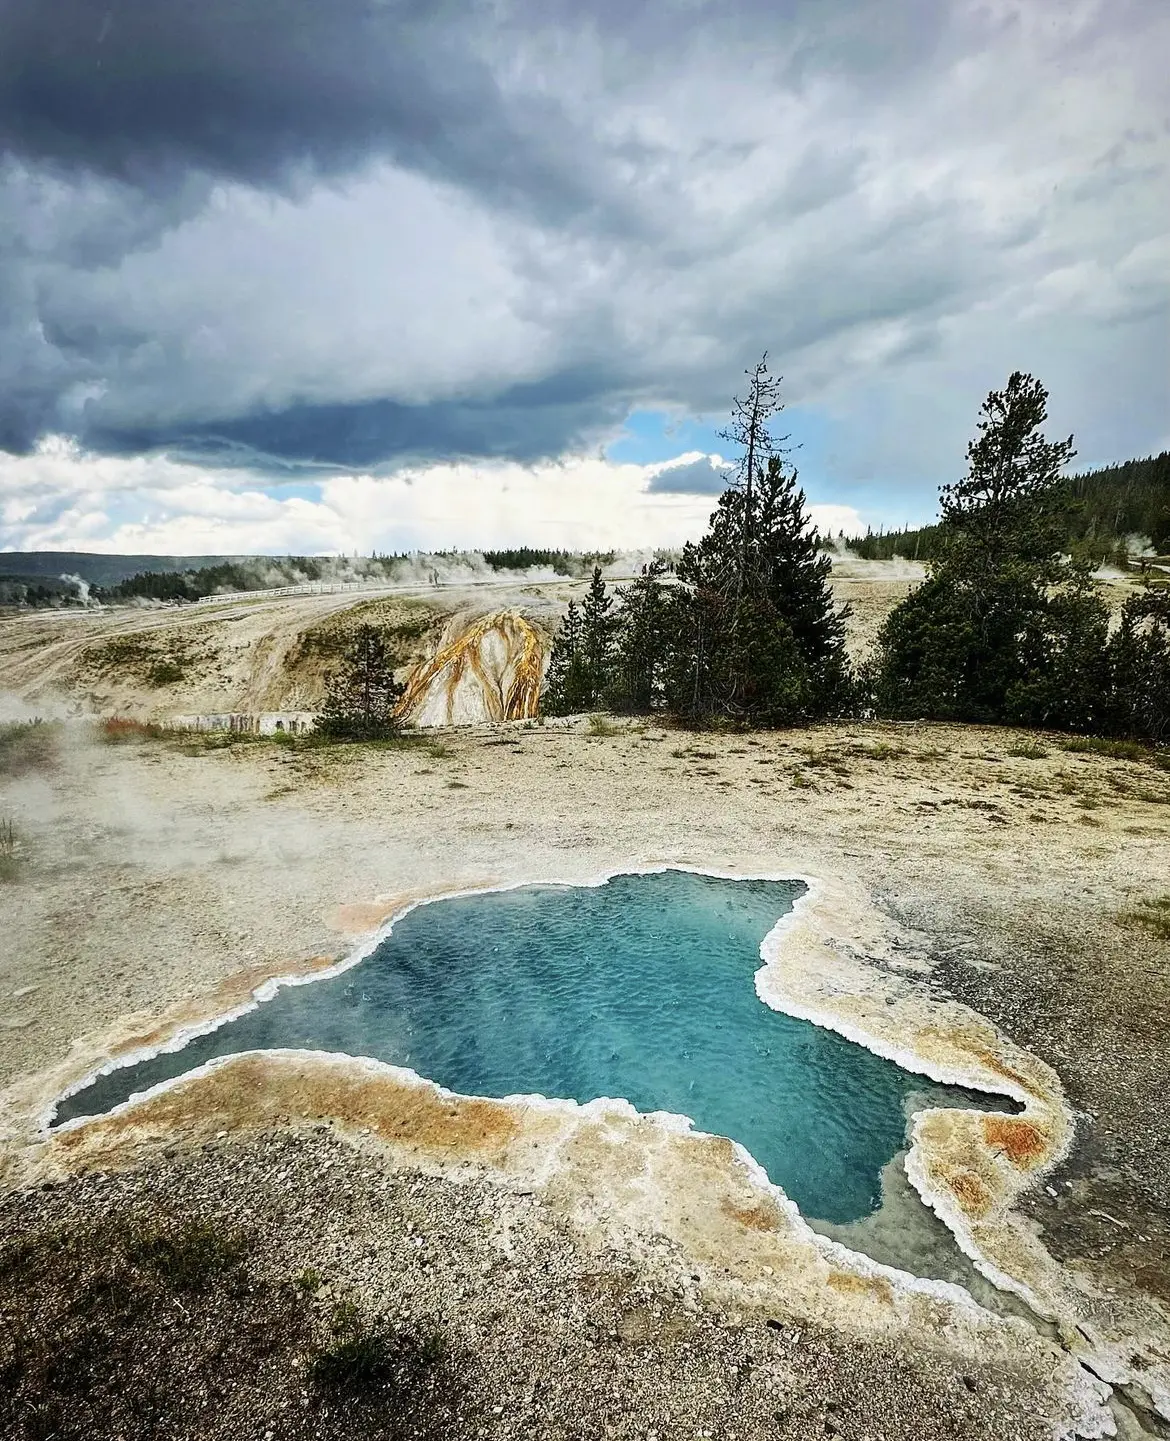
x,y
144,1324
828,759
149,657
601,725
165,672
1118,750
881,751
364,1354
190,1255
1028,751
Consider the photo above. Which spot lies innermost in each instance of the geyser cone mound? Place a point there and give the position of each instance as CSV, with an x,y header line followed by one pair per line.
x,y
488,670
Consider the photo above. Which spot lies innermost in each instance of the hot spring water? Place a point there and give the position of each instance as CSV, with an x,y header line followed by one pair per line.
x,y
641,987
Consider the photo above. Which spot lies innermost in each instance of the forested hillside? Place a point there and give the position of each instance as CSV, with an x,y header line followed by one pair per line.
x,y
1106,507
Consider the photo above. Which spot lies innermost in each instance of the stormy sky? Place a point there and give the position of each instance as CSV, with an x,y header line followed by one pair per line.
x,y
291,275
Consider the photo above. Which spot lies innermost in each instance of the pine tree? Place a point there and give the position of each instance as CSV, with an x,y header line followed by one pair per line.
x,y
1007,513
1003,629
638,673
1139,663
566,686
749,429
361,695
598,632
762,639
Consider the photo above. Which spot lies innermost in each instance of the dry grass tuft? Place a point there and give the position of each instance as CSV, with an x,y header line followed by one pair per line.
x,y
1151,915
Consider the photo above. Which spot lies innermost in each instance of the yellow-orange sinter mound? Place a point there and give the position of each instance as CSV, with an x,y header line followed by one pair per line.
x,y
489,671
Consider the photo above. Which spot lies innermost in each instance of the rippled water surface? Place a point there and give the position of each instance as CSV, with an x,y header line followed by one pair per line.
x,y
642,988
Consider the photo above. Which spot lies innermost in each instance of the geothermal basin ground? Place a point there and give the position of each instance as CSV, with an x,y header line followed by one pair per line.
x,y
981,905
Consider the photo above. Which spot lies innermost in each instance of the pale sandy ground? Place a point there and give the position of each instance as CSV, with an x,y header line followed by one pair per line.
x,y
153,877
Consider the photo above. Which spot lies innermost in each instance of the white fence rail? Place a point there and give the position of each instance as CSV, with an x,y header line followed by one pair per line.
x,y
307,587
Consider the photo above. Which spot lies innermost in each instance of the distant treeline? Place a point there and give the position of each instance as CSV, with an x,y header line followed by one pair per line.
x,y
1121,500
1105,507
42,591
524,558
270,572
211,579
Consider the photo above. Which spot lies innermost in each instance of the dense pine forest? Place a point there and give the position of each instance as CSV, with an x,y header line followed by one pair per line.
x,y
1107,508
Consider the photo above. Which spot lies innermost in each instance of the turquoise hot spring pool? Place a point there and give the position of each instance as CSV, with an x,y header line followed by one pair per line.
x,y
641,987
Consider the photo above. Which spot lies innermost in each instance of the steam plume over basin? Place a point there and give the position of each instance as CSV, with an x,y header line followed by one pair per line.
x,y
641,988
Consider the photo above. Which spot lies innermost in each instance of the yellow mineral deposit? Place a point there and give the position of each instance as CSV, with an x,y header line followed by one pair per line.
x,y
490,670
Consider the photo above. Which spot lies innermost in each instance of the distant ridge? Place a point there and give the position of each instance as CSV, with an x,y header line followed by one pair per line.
x,y
101,570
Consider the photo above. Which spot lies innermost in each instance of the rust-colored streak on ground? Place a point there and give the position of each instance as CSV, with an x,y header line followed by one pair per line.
x,y
848,1283
763,1215
1024,1144
253,1092
970,1191
524,692
974,1046
358,918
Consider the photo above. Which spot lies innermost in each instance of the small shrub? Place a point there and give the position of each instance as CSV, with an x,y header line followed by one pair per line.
x,y
27,746
601,725
364,1355
118,730
190,1256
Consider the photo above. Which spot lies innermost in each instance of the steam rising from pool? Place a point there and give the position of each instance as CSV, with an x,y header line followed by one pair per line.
x,y
641,987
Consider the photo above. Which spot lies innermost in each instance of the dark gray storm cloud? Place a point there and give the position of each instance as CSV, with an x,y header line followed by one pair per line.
x,y
252,89
349,232
248,88
527,423
696,477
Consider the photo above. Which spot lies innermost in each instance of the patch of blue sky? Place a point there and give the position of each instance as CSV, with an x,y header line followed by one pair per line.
x,y
651,436
309,490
